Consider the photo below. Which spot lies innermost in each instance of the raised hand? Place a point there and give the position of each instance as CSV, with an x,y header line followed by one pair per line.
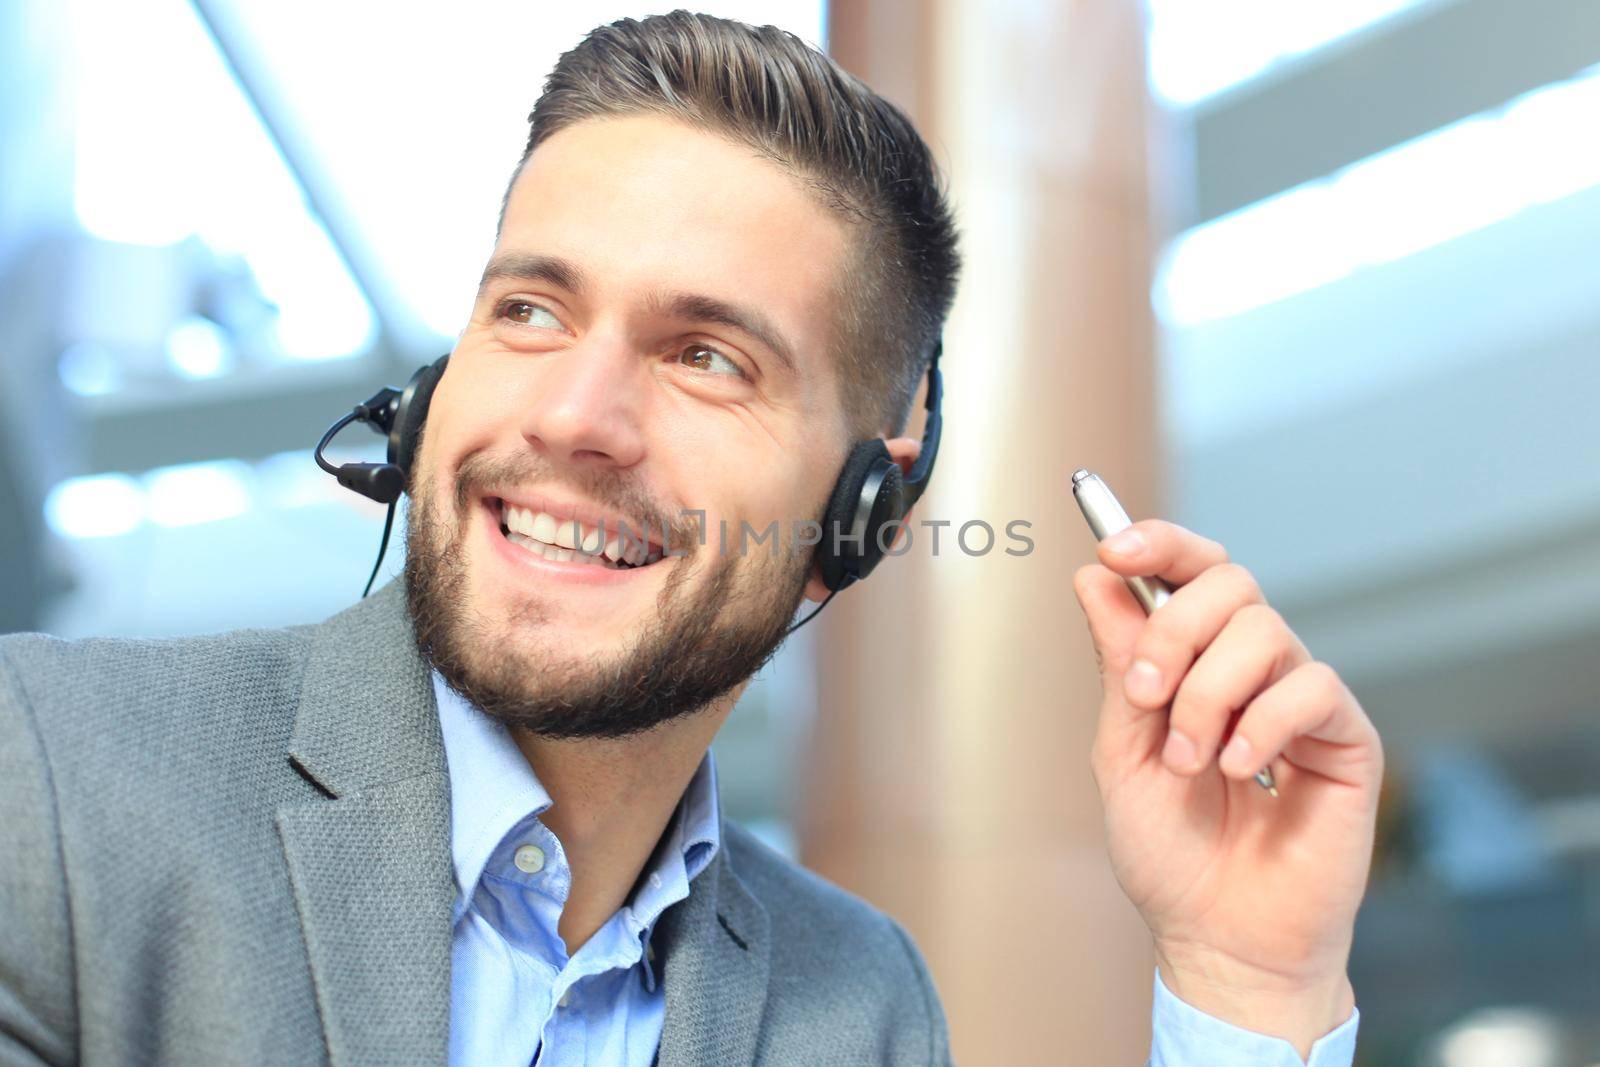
x,y
1251,898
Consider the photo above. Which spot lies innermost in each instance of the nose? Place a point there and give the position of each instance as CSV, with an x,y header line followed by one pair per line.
x,y
586,407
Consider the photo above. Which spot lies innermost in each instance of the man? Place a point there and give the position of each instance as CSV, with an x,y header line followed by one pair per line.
x,y
477,822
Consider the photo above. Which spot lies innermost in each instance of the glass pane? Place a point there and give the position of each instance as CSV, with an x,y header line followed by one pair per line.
x,y
418,121
170,154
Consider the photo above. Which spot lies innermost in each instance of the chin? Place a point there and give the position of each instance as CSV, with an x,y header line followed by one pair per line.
x,y
550,632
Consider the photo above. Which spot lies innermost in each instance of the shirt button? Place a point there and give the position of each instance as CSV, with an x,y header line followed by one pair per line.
x,y
565,997
529,859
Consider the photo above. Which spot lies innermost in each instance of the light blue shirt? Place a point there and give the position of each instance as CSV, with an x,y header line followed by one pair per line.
x,y
1184,1036
517,998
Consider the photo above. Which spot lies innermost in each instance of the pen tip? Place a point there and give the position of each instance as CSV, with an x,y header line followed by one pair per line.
x,y
1080,475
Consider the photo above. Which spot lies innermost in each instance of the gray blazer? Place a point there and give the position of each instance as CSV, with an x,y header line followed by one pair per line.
x,y
234,849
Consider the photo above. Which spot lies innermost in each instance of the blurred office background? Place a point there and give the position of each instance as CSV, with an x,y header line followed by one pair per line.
x,y
1319,278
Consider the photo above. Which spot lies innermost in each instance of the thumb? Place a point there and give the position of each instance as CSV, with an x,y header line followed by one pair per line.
x,y
1125,735
1115,620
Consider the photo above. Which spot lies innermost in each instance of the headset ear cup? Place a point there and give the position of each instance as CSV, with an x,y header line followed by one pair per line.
x,y
887,508
412,414
841,560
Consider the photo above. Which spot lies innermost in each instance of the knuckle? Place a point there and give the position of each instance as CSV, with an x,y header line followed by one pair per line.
x,y
1261,618
1159,644
1326,685
1158,541
1196,702
1158,528
1239,579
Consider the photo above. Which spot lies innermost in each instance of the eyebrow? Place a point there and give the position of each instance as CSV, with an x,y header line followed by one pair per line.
x,y
721,313
525,266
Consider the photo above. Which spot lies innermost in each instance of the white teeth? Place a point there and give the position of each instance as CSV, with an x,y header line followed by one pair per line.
x,y
631,550
536,547
560,555
567,539
521,520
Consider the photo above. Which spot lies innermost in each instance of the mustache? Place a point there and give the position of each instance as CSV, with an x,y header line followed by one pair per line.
x,y
483,472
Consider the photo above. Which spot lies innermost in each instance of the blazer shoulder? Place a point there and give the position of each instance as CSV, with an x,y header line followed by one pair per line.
x,y
134,695
829,943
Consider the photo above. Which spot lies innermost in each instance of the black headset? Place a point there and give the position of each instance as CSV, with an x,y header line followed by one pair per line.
x,y
868,502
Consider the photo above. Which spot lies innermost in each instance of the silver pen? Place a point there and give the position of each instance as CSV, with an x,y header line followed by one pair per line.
x,y
1107,517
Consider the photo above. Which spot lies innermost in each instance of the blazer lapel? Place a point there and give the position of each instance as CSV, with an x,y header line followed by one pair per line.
x,y
370,864
716,948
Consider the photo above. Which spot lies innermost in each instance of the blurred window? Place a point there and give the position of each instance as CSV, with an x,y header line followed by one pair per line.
x,y
417,122
169,150
1201,48
1389,206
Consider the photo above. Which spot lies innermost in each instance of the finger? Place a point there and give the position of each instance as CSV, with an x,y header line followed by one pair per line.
x,y
1253,651
1313,715
1163,549
1115,620
1182,628
1125,734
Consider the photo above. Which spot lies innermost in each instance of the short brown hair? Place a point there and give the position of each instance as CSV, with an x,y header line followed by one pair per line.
x,y
765,88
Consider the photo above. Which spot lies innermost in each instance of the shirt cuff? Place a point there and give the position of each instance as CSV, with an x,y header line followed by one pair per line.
x,y
1183,1035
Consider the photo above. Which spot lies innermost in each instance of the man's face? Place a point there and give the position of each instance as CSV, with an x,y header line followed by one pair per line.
x,y
651,338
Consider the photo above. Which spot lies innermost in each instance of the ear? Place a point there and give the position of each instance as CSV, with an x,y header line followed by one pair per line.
x,y
904,451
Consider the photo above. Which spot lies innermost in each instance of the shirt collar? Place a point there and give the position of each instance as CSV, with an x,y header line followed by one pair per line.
x,y
492,788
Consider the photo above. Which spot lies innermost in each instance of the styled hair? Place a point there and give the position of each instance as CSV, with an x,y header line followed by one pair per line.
x,y
763,87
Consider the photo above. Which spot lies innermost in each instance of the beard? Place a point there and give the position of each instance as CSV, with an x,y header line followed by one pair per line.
x,y
696,646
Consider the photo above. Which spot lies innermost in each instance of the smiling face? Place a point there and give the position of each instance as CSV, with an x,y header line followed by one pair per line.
x,y
651,339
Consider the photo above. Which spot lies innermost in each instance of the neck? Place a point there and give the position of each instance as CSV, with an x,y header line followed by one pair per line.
x,y
610,802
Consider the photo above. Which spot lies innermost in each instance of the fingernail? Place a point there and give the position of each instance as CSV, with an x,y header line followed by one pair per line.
x,y
1237,756
1127,543
1143,682
1179,752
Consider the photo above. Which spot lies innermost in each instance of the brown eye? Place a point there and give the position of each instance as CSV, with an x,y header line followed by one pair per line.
x,y
709,360
527,313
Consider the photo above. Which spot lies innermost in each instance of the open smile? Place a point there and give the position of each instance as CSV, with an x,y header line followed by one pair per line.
x,y
611,544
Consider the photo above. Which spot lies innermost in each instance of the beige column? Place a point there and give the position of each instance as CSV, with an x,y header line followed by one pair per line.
x,y
947,775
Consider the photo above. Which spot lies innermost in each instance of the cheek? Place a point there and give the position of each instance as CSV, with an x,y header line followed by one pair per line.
x,y
737,471
782,491
463,417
